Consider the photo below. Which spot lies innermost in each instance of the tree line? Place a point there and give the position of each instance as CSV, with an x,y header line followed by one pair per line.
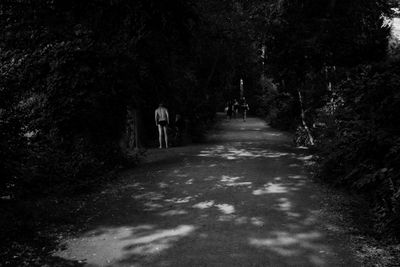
x,y
337,74
70,69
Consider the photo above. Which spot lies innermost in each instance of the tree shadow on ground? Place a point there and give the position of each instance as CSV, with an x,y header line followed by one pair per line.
x,y
233,204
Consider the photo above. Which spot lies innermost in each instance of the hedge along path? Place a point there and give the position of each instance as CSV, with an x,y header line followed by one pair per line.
x,y
243,198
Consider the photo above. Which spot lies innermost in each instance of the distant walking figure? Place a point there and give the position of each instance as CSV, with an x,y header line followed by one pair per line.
x,y
235,108
245,108
162,120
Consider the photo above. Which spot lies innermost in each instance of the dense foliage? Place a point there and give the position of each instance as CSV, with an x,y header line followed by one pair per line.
x,y
359,143
329,61
63,88
304,38
70,69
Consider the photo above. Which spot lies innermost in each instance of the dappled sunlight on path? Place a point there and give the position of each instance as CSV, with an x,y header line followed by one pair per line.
x,y
242,199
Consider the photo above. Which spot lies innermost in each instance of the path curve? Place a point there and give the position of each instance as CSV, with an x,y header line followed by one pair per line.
x,y
244,198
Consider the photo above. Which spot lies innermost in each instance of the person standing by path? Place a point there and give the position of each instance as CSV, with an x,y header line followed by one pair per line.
x,y
161,117
235,108
245,108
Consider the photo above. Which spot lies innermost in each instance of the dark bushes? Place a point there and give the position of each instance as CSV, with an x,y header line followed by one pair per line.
x,y
69,69
360,145
62,114
330,58
282,111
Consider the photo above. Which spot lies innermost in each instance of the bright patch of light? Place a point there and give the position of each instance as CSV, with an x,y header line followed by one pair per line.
x,y
150,206
396,28
190,181
226,208
181,230
179,200
204,205
162,185
106,246
296,176
232,181
288,244
173,213
305,158
257,221
229,179
284,204
232,153
270,188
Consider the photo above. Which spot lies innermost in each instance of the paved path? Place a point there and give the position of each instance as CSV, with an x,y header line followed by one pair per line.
x,y
243,198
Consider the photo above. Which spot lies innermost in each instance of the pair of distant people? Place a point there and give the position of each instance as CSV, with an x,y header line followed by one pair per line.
x,y
161,117
232,108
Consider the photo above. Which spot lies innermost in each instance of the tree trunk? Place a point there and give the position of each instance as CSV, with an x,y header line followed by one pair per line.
x,y
303,119
131,137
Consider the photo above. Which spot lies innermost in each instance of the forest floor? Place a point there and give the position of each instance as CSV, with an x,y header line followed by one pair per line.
x,y
245,197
